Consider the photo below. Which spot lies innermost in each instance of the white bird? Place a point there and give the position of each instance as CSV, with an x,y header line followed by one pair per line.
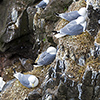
x,y
2,83
73,14
42,4
47,57
28,80
75,27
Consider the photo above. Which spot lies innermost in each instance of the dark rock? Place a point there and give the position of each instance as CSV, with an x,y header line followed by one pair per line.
x,y
50,83
62,92
87,78
21,28
66,92
1,1
88,88
72,91
87,92
15,22
34,95
98,80
93,26
14,26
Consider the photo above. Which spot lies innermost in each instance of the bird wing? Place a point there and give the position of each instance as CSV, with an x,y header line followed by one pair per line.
x,y
46,59
72,28
42,4
24,80
42,55
70,15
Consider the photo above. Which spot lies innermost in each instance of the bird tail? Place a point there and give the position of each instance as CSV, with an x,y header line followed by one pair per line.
x,y
56,14
55,32
36,65
59,35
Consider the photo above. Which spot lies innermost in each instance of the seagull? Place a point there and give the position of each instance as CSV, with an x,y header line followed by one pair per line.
x,y
42,4
2,83
47,57
28,80
75,27
73,14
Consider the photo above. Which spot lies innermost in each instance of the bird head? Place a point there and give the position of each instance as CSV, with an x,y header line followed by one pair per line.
x,y
51,50
33,81
83,11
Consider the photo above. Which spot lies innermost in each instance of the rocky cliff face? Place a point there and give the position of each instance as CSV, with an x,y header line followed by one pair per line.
x,y
74,74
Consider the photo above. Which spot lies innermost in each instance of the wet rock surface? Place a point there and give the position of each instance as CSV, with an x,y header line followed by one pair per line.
x,y
74,74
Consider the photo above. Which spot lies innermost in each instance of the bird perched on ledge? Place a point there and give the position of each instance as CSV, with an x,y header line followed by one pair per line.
x,y
28,80
42,4
47,57
74,27
73,14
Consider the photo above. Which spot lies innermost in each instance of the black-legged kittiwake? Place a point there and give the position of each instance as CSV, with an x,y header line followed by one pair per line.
x,y
42,4
47,57
73,14
28,80
75,27
2,83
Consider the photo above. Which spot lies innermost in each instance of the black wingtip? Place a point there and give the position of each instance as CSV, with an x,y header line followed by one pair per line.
x,y
34,63
55,32
56,14
34,7
14,70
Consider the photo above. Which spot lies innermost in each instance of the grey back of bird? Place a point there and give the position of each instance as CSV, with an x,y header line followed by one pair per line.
x,y
24,80
46,58
70,15
72,28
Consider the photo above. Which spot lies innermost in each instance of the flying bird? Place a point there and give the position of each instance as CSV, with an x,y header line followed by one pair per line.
x,y
42,4
2,83
47,57
74,27
28,80
73,14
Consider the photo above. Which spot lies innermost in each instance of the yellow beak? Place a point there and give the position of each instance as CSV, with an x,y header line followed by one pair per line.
x,y
32,85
